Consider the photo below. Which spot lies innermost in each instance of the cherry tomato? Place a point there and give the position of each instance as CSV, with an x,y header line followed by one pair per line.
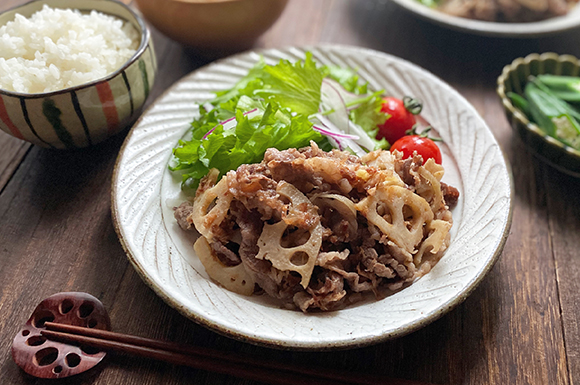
x,y
399,121
424,147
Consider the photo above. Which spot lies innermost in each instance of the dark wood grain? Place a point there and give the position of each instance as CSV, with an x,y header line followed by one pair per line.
x,y
564,227
13,151
520,326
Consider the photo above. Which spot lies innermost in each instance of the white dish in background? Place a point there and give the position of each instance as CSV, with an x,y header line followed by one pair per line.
x,y
144,192
515,30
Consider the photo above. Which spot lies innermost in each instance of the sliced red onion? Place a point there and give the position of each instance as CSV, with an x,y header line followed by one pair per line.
x,y
331,98
335,134
338,138
351,144
347,96
228,120
208,133
336,143
364,140
233,118
339,120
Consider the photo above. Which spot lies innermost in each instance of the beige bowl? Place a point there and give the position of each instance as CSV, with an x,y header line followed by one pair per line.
x,y
213,24
87,114
513,79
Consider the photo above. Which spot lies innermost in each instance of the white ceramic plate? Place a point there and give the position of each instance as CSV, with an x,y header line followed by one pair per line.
x,y
144,193
515,30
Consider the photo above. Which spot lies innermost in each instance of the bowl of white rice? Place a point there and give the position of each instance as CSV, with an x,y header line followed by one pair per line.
x,y
73,72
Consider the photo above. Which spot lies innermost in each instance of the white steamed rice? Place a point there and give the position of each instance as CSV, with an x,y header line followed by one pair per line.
x,y
60,48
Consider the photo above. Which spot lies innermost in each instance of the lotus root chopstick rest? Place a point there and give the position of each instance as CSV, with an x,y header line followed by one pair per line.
x,y
43,358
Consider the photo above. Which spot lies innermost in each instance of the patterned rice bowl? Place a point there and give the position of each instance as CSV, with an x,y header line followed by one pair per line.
x,y
84,115
513,79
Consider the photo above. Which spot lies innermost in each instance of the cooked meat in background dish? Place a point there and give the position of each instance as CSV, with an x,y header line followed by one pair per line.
x,y
507,10
315,229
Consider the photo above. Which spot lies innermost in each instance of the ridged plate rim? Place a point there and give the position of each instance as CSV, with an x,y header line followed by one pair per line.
x,y
311,330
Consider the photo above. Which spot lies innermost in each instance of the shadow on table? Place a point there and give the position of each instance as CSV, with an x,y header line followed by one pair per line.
x,y
549,191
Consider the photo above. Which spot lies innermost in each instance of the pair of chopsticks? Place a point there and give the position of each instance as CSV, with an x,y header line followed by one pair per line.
x,y
211,360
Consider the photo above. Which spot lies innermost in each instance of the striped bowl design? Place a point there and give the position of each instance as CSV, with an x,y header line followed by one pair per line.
x,y
513,79
84,115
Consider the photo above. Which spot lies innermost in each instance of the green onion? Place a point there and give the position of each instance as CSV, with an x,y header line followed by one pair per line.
x,y
564,87
546,103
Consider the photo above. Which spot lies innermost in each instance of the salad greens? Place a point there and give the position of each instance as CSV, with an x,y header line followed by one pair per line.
x,y
430,3
549,101
286,105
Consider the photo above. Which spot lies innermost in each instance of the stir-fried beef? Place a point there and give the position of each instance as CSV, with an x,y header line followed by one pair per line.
x,y
407,170
226,256
354,253
183,215
507,10
450,194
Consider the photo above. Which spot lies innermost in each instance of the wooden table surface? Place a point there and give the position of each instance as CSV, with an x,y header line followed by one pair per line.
x,y
520,326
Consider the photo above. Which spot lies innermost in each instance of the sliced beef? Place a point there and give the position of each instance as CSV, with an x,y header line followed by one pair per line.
x,y
281,285
226,256
407,170
183,215
252,185
450,195
354,257
326,293
289,166
373,265
507,10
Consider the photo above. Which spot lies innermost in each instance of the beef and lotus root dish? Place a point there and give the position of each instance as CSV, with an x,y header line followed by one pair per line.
x,y
297,194
514,11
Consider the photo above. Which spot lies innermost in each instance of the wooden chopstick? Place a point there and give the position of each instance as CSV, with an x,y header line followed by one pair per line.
x,y
211,360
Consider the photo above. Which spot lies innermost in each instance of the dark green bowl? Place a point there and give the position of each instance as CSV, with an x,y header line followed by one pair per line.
x,y
513,79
